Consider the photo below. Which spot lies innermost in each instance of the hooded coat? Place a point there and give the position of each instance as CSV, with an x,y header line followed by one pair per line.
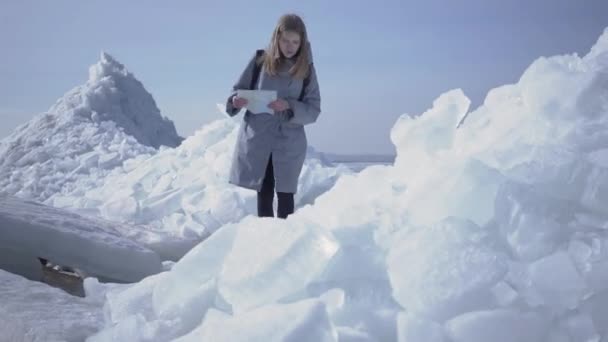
x,y
281,135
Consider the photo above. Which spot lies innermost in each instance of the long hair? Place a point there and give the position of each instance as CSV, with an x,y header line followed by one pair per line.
x,y
272,57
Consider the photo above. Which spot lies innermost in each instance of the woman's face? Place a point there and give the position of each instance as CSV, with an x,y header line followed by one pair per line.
x,y
289,43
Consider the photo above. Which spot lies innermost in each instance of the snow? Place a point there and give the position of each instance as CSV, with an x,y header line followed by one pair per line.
x,y
504,294
424,287
251,277
93,154
94,246
92,129
596,306
112,93
416,329
559,284
300,321
36,312
497,325
182,194
492,231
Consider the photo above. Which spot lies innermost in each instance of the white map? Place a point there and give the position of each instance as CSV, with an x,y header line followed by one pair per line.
x,y
258,100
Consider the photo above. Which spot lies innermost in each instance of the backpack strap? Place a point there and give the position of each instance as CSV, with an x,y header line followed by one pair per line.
x,y
257,67
305,84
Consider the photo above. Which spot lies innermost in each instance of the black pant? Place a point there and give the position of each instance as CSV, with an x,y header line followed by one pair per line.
x,y
266,196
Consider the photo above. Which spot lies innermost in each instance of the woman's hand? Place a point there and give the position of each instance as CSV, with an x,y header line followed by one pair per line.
x,y
279,105
239,102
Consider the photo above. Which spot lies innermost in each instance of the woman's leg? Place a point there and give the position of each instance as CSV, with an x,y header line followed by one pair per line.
x,y
266,194
286,206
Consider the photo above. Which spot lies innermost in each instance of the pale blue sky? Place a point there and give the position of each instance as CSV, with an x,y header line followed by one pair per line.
x,y
375,60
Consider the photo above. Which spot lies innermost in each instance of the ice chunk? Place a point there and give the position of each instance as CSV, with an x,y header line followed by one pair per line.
x,y
123,209
597,307
333,299
445,270
533,223
504,294
520,279
346,334
130,328
597,276
599,157
317,177
431,132
565,175
186,311
131,299
271,259
68,239
558,335
131,315
557,281
157,206
33,311
464,188
301,321
96,291
595,193
357,204
358,268
580,252
172,303
369,316
591,220
581,328
497,326
418,329
194,275
596,270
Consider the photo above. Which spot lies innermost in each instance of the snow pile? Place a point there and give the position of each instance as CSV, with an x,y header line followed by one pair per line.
x,y
494,231
89,131
94,153
302,321
175,302
95,247
184,194
112,93
32,311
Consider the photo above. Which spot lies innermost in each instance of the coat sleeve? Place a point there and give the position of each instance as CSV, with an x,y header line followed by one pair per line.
x,y
244,82
307,111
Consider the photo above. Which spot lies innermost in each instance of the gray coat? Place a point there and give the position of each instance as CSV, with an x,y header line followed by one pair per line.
x,y
281,134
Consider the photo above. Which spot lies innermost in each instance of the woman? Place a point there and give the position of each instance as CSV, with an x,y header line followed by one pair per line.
x,y
271,147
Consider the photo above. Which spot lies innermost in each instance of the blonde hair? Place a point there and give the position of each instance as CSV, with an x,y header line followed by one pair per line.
x,y
272,57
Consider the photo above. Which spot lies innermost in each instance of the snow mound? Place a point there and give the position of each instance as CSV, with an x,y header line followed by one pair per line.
x,y
112,93
94,153
89,131
183,194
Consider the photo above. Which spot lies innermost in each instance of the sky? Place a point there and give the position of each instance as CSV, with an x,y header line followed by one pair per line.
x,y
375,61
